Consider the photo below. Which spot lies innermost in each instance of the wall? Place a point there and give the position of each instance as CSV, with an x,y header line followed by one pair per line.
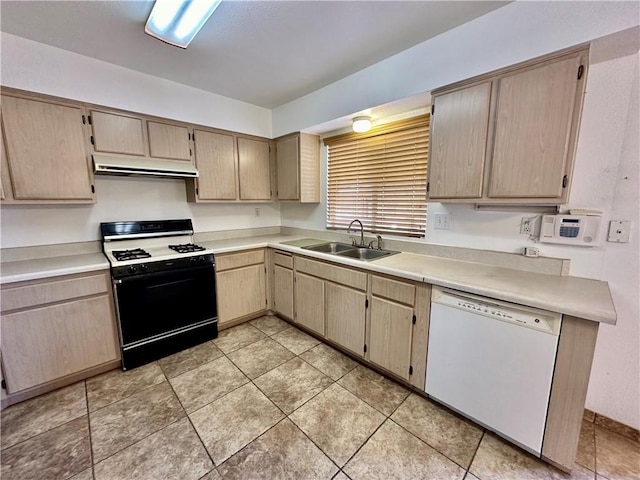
x,y
605,178
511,34
41,68
125,198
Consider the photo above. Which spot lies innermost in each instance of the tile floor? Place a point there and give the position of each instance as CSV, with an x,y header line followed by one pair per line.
x,y
267,401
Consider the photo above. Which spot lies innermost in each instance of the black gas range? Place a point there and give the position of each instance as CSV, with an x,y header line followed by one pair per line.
x,y
164,288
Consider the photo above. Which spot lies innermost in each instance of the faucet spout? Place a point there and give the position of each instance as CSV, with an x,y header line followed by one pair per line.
x,y
361,231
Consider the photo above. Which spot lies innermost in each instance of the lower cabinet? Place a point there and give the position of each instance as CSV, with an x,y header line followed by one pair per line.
x,y
346,311
240,285
391,332
398,327
310,302
283,284
55,328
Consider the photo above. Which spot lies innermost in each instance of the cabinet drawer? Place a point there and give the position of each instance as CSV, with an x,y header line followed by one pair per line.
x,y
44,344
237,260
283,259
393,290
344,276
25,296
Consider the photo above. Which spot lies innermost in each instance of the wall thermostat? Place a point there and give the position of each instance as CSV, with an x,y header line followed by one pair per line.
x,y
570,229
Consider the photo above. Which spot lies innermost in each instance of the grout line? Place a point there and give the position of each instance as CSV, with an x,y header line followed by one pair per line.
x,y
475,453
86,396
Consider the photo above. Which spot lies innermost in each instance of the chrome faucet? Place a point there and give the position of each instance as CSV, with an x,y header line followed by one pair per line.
x,y
361,232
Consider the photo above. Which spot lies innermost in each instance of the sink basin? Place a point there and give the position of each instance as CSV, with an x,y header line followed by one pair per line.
x,y
366,253
330,247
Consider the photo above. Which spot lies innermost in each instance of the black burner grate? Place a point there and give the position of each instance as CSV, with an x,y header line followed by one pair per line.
x,y
122,255
186,248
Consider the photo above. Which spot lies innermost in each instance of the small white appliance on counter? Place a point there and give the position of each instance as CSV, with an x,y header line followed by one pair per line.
x,y
570,229
493,362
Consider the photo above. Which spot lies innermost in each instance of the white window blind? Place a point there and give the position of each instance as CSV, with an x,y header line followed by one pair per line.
x,y
380,178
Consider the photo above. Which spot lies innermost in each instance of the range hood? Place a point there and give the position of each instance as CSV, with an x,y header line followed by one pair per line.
x,y
113,165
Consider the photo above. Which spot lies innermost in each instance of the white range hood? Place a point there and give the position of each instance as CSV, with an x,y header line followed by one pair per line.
x,y
113,165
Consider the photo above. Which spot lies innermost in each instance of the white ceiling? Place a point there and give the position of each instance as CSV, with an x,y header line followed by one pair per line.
x,y
266,53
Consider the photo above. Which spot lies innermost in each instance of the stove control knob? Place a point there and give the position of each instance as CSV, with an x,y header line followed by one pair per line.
x,y
143,267
193,259
132,269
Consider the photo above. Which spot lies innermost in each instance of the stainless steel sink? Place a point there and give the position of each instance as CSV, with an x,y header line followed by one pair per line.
x,y
330,247
366,253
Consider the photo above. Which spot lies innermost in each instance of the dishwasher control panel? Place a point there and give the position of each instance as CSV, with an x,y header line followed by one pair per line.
x,y
540,320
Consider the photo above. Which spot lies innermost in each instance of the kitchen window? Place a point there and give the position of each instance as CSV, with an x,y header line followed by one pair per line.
x,y
380,178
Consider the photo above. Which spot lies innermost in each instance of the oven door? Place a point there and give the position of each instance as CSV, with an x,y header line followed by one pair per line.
x,y
162,303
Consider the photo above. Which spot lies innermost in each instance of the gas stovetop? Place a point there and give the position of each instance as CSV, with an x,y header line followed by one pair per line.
x,y
145,247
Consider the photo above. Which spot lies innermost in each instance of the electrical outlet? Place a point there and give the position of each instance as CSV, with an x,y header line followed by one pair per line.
x,y
442,221
257,210
526,226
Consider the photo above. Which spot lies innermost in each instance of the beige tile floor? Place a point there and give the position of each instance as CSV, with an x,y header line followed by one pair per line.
x,y
267,401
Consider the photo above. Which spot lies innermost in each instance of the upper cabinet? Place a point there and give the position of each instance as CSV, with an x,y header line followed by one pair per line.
x,y
508,137
45,156
232,168
117,133
254,169
169,141
122,133
298,167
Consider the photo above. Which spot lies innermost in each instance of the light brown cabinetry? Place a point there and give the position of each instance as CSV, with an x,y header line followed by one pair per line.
x,y
298,167
346,310
232,168
169,141
254,170
55,328
215,155
398,327
283,284
240,286
310,302
46,152
333,299
117,133
508,137
123,133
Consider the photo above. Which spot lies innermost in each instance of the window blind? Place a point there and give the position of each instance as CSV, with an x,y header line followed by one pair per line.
x,y
380,178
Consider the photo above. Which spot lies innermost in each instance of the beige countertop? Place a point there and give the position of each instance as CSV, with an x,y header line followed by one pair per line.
x,y
51,267
579,297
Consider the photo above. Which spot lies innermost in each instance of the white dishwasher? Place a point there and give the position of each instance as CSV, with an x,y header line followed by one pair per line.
x,y
493,362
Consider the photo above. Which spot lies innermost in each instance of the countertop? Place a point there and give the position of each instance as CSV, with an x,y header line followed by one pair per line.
x,y
51,267
580,297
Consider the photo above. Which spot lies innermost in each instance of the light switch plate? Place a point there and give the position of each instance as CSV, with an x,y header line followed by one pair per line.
x,y
619,231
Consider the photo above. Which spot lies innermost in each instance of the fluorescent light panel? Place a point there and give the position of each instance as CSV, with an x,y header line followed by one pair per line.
x,y
178,21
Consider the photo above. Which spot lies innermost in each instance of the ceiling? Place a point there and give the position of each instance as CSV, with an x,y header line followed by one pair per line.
x,y
266,53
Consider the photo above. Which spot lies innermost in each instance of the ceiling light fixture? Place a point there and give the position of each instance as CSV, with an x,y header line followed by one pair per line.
x,y
178,21
361,124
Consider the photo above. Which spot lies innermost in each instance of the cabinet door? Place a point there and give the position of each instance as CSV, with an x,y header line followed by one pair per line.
x,y
283,291
240,292
117,133
457,145
287,164
5,180
390,341
46,150
44,344
254,169
309,301
169,141
346,317
534,114
216,161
